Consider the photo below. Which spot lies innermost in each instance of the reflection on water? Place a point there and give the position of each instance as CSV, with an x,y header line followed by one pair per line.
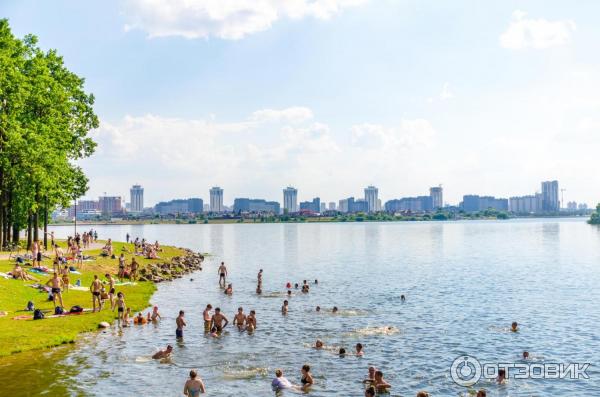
x,y
465,282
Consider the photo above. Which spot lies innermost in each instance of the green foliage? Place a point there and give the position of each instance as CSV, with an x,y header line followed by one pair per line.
x,y
595,218
45,117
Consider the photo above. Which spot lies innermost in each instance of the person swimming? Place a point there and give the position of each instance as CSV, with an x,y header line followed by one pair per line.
x,y
318,309
163,353
422,394
319,344
481,393
501,378
194,385
514,327
359,349
229,290
402,298
525,355
334,310
342,352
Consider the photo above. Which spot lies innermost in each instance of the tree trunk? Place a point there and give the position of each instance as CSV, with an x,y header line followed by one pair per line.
x,y
46,224
29,236
36,225
15,233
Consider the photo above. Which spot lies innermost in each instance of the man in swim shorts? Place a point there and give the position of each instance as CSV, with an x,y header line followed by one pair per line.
x,y
65,277
95,288
218,321
222,275
163,353
55,283
207,317
180,322
239,319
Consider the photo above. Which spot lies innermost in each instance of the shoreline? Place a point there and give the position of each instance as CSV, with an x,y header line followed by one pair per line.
x,y
251,221
22,334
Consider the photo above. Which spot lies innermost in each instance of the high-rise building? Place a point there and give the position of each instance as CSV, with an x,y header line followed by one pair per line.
x,y
110,205
371,198
314,205
180,206
216,200
136,199
531,204
290,199
474,203
412,204
323,207
255,206
332,206
550,202
437,197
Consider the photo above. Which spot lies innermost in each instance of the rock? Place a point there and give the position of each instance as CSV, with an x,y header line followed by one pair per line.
x,y
103,325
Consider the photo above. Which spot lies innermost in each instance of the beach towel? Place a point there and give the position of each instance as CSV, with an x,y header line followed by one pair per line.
x,y
30,317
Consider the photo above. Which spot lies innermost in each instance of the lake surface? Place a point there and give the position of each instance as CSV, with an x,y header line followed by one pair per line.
x,y
465,282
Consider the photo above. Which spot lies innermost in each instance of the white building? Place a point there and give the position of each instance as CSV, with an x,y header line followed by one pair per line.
x,y
437,197
216,200
136,199
290,199
371,193
332,206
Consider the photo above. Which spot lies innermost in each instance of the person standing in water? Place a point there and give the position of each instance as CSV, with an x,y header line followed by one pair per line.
x,y
251,321
120,305
207,317
222,275
180,322
194,385
217,320
284,308
239,319
95,288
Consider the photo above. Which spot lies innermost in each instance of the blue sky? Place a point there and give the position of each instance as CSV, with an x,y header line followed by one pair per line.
x,y
332,95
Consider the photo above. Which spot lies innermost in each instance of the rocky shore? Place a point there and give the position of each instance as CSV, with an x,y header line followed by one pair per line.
x,y
177,267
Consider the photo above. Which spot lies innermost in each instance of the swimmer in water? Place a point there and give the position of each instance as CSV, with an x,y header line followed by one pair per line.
x,y
126,317
306,379
251,321
239,319
296,285
318,309
422,394
501,378
284,308
380,384
280,382
402,298
481,393
288,285
371,376
194,385
180,322
318,344
229,290
342,352
316,281
334,310
155,314
289,294
163,353
207,317
370,391
218,322
525,355
222,275
359,350
139,319
514,327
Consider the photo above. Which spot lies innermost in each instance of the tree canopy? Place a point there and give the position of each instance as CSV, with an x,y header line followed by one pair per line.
x,y
45,118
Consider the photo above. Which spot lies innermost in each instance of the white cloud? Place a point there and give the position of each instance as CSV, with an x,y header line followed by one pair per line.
x,y
446,93
227,19
294,114
409,134
539,33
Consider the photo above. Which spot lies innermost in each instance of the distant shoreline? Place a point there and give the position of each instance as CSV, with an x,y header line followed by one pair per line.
x,y
307,220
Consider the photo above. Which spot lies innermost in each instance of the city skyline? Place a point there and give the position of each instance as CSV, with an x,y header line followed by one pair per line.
x,y
492,99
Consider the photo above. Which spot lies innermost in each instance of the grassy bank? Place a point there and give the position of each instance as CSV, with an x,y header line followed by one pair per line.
x,y
23,335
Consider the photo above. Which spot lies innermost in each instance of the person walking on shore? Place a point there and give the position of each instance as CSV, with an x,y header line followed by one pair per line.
x,y
180,322
222,275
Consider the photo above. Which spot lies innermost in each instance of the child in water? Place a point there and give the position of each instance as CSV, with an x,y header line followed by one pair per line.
x,y
359,350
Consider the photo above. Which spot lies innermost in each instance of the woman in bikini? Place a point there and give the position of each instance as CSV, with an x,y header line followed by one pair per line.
x,y
306,379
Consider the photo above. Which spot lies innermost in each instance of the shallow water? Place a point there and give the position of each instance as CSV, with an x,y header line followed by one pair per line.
x,y
465,282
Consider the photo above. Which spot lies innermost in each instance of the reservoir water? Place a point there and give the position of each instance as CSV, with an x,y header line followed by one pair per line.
x,y
464,282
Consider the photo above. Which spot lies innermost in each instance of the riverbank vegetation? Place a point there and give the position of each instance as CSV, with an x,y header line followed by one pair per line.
x,y
595,217
45,117
27,334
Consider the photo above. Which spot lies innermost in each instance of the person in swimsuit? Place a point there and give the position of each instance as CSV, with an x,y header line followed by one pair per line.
x,y
56,283
95,288
229,290
306,379
217,320
359,350
180,322
111,289
422,394
35,250
319,344
159,355
371,377
239,319
207,317
194,385
121,274
222,275
501,378
514,327
251,321
380,384
126,317
155,314
65,277
120,305
284,308
134,269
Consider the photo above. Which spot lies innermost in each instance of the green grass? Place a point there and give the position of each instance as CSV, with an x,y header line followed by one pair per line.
x,y
24,335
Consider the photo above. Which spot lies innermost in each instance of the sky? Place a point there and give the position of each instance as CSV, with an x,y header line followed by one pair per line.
x,y
330,96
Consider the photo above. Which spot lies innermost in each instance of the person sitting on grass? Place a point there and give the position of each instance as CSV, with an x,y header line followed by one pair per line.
x,y
20,273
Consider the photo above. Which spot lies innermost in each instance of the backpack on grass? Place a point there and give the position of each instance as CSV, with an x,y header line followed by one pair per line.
x,y
76,309
37,314
59,310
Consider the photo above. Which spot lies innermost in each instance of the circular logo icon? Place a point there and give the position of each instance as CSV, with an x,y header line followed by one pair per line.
x,y
465,371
